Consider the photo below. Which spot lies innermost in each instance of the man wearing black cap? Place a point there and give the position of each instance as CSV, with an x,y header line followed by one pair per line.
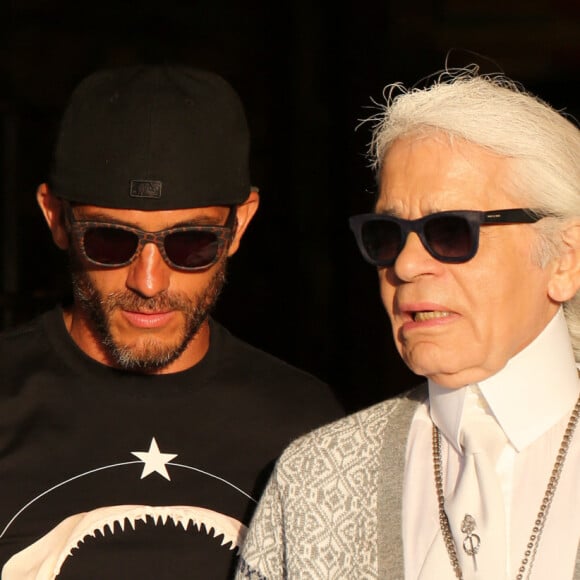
x,y
136,432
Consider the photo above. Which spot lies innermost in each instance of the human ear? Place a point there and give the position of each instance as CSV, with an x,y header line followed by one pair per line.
x,y
244,214
565,278
52,209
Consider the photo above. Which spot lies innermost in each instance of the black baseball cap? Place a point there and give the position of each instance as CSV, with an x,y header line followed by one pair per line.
x,y
152,137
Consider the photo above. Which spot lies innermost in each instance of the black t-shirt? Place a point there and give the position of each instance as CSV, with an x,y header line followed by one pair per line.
x,y
113,475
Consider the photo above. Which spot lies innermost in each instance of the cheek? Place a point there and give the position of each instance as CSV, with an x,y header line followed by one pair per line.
x,y
511,307
488,295
387,293
107,282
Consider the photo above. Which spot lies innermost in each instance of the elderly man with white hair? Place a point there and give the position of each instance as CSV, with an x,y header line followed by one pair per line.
x,y
475,235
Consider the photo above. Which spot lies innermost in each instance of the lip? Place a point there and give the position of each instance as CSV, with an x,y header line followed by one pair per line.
x,y
147,319
408,310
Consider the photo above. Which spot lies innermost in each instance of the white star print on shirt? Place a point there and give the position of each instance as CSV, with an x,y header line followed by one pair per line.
x,y
154,460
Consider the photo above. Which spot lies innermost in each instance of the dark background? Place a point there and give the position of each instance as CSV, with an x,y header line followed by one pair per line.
x,y
307,72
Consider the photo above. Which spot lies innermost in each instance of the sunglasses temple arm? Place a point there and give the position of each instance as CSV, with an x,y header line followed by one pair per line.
x,y
511,216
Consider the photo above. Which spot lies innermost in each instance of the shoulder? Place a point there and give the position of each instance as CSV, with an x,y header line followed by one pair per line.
x,y
361,433
246,361
344,454
234,350
367,420
21,337
24,349
20,332
289,400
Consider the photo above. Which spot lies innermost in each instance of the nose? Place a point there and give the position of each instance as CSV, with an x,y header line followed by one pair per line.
x,y
148,274
414,260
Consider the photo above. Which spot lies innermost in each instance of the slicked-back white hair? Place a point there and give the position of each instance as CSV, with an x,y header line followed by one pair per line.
x,y
496,113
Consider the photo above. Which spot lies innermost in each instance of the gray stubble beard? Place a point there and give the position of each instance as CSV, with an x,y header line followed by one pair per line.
x,y
154,356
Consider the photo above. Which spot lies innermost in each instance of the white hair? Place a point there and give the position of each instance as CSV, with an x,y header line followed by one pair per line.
x,y
495,112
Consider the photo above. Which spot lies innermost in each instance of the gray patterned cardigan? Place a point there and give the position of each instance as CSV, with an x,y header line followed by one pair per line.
x,y
326,514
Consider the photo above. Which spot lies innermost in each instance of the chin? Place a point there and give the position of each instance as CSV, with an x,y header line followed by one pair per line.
x,y
152,348
432,367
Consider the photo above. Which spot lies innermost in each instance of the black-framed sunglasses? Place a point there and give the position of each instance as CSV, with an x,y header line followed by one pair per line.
x,y
449,236
186,248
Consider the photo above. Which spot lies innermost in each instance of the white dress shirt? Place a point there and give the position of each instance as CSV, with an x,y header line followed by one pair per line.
x,y
531,398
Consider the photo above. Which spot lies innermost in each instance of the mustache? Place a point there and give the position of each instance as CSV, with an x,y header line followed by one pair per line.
x,y
133,302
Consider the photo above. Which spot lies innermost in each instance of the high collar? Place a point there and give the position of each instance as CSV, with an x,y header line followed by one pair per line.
x,y
534,390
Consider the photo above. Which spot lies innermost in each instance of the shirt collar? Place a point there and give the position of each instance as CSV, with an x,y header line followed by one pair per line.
x,y
534,390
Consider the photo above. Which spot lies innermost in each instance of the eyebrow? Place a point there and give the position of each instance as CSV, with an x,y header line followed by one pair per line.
x,y
391,212
202,220
387,212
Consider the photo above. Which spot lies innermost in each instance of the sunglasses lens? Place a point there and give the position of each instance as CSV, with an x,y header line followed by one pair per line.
x,y
193,249
382,240
450,237
110,246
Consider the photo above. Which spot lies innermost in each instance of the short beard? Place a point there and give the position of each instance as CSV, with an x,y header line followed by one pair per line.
x,y
152,356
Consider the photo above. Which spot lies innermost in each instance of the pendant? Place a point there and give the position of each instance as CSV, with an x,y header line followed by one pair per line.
x,y
471,541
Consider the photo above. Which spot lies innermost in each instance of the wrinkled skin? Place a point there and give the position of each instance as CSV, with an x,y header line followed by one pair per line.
x,y
460,323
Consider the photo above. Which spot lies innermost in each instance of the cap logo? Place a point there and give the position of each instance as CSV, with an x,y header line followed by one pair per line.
x,y
145,188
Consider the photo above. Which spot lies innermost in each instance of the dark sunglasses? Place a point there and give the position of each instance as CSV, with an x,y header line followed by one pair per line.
x,y
449,236
188,248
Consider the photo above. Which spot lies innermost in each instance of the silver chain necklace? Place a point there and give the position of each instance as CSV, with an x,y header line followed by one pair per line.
x,y
532,545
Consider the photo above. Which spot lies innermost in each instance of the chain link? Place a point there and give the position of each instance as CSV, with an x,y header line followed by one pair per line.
x,y
534,539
